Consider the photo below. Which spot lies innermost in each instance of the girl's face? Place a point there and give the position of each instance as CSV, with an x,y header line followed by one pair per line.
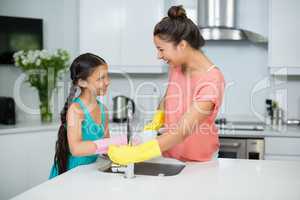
x,y
98,81
167,51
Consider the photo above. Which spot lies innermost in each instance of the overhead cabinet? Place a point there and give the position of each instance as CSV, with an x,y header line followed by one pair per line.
x,y
121,32
284,40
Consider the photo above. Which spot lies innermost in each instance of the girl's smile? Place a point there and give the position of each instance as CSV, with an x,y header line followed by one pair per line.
x,y
98,81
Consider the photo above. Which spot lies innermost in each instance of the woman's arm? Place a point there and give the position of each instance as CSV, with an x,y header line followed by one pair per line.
x,y
77,147
161,105
197,113
124,155
158,117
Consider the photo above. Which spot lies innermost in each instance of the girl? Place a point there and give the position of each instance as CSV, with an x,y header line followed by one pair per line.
x,y
192,101
84,129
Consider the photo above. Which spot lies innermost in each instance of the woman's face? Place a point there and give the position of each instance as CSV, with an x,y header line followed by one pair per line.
x,y
98,81
168,52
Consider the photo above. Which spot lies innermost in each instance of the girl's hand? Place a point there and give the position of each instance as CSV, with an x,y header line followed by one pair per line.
x,y
102,144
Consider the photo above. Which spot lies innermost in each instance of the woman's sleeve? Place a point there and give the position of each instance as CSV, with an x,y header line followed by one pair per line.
x,y
210,90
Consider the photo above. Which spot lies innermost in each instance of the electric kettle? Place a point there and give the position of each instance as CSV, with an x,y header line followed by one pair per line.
x,y
120,112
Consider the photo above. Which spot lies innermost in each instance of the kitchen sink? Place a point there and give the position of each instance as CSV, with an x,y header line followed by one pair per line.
x,y
154,169
143,168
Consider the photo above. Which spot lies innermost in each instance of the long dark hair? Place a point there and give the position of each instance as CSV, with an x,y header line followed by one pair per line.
x,y
177,27
81,68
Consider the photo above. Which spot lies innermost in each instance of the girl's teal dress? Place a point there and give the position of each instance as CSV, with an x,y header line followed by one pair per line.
x,y
90,131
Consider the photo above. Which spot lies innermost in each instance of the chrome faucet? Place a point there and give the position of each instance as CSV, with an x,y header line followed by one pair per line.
x,y
129,171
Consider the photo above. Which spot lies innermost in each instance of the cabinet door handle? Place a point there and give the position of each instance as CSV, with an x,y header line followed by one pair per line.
x,y
253,143
231,145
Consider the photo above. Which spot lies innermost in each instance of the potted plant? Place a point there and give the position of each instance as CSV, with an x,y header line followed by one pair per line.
x,y
43,70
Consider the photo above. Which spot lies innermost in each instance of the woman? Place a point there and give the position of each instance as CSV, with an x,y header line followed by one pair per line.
x,y
192,101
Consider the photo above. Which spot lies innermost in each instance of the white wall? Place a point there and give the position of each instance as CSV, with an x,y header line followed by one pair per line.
x,y
60,19
145,90
243,63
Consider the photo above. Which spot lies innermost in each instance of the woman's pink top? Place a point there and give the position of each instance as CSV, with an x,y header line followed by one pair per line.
x,y
182,91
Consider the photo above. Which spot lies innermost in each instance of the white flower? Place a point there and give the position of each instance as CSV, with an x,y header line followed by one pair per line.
x,y
24,61
18,54
17,63
44,54
38,62
56,54
31,57
41,59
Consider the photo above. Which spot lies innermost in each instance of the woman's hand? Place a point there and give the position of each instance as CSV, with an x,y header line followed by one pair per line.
x,y
125,155
157,121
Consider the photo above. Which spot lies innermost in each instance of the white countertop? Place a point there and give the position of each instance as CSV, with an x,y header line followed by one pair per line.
x,y
36,125
219,179
28,126
285,131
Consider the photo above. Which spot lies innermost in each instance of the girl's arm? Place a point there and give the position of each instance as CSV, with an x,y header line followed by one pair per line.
x,y
83,148
77,147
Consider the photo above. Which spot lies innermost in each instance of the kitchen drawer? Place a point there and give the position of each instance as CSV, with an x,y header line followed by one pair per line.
x,y
284,157
282,146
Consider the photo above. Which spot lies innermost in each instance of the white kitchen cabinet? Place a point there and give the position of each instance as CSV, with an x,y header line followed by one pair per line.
x,y
26,159
282,148
284,40
282,157
100,28
121,32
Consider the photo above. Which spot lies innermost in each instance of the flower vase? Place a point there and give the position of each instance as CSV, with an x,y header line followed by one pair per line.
x,y
45,110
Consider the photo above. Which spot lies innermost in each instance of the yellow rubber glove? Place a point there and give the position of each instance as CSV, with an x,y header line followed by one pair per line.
x,y
125,155
157,121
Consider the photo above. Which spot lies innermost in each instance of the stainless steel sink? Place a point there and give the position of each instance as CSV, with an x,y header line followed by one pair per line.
x,y
143,168
154,169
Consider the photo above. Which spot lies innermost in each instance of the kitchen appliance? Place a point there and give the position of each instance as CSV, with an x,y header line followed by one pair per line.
x,y
18,33
7,111
216,21
274,114
224,125
120,108
242,148
293,122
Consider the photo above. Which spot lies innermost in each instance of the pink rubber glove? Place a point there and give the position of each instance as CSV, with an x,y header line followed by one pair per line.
x,y
102,144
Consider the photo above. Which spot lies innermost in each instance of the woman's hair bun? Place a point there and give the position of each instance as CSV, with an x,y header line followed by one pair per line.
x,y
177,12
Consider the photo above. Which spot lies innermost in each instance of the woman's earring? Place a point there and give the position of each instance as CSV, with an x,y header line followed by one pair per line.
x,y
82,83
77,91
